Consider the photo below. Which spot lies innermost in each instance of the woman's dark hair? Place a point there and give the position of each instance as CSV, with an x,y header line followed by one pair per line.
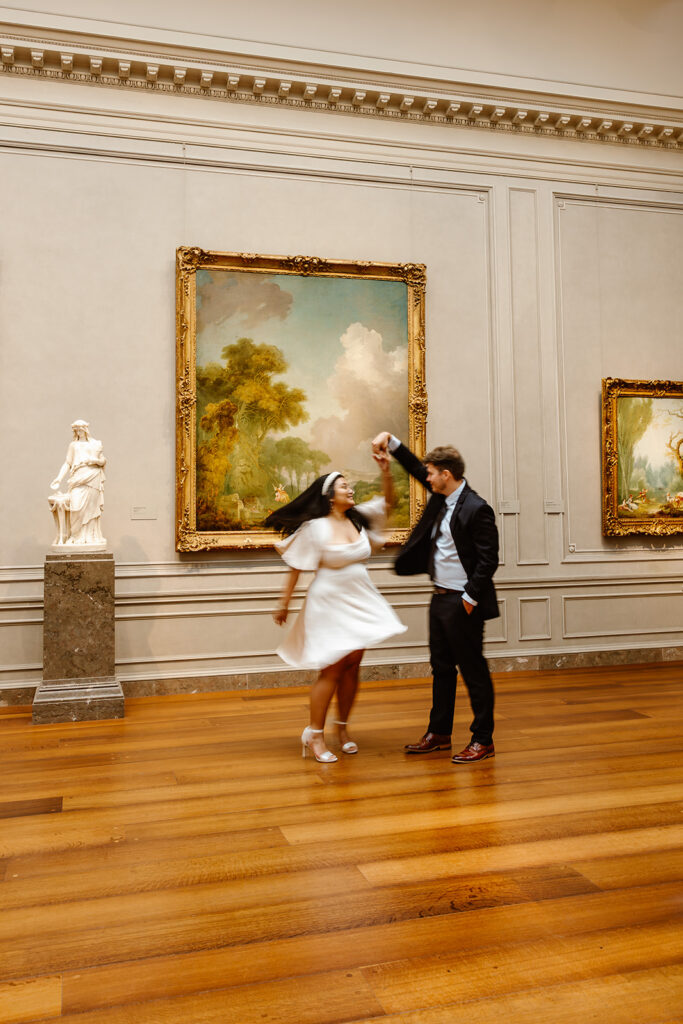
x,y
310,504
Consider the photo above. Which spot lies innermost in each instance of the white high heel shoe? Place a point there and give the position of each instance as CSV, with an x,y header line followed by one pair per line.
x,y
306,736
349,747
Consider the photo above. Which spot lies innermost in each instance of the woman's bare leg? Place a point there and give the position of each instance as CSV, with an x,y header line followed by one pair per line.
x,y
347,690
322,693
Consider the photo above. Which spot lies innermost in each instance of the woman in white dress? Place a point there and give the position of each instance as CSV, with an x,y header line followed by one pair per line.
x,y
343,612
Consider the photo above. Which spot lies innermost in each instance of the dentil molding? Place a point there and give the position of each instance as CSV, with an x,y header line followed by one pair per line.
x,y
313,89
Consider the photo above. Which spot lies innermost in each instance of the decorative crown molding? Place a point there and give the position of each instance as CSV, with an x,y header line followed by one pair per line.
x,y
313,89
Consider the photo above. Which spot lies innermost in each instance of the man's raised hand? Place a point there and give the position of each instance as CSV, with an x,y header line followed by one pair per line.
x,y
381,442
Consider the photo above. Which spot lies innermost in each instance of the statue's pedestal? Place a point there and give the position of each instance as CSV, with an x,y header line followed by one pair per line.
x,y
79,681
77,700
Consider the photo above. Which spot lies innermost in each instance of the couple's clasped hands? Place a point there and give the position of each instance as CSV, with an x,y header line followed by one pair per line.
x,y
380,445
380,451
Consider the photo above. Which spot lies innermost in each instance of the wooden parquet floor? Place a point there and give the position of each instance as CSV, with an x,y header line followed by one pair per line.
x,y
186,866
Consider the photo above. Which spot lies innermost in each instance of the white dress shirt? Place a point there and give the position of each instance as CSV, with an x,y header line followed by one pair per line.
x,y
449,572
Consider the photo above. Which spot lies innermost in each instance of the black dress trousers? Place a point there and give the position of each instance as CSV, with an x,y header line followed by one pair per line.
x,y
456,639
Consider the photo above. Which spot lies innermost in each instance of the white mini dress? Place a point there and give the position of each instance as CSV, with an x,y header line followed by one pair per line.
x,y
343,610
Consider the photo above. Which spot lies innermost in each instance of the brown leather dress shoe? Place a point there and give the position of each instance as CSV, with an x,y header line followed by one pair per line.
x,y
474,752
430,741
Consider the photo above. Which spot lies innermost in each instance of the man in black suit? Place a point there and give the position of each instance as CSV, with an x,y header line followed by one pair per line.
x,y
456,542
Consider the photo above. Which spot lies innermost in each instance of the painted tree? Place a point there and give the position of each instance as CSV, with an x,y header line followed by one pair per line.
x,y
318,459
274,462
213,453
291,459
634,416
294,453
261,405
675,442
675,449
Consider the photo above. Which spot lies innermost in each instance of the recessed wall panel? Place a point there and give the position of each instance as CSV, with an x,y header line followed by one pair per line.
x,y
618,615
534,618
619,280
528,380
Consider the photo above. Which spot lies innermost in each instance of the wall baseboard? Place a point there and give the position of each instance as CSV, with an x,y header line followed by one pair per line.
x,y
22,694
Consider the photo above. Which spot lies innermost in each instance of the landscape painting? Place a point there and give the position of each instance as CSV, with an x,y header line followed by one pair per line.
x,y
643,457
287,368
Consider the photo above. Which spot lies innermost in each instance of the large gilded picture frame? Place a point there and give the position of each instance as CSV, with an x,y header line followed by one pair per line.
x,y
642,457
287,366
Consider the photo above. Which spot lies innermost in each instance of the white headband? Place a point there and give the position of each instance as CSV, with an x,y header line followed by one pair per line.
x,y
329,480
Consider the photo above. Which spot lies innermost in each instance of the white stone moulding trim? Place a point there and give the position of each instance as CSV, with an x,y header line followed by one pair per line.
x,y
191,609
104,67
672,205
51,141
225,613
226,656
28,602
15,670
603,556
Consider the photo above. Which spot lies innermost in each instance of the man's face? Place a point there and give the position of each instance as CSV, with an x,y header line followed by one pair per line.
x,y
438,479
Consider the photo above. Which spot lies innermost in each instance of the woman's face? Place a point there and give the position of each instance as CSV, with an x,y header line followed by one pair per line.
x,y
342,495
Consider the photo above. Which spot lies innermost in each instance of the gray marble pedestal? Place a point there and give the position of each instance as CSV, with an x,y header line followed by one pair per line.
x,y
79,682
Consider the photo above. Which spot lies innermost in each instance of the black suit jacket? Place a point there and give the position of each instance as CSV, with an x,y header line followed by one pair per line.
x,y
475,535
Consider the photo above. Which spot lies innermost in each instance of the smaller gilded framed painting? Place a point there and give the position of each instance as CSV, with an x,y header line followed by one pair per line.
x,y
642,457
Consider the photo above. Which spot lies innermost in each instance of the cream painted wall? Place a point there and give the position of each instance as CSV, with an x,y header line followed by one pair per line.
x,y
551,263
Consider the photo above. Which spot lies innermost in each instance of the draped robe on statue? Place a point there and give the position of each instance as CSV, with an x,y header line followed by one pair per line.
x,y
86,491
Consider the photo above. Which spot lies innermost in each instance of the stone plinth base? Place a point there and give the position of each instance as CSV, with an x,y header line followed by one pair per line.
x,y
77,700
78,620
79,681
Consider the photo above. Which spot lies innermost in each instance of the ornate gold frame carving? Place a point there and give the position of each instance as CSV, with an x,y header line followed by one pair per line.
x,y
613,524
190,259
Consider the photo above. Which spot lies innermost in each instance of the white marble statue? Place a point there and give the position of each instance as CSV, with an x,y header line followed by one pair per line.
x,y
77,513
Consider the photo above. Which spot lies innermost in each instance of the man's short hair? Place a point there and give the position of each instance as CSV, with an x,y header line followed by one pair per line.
x,y
447,457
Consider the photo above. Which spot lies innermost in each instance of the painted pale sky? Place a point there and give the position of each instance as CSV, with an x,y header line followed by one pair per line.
x,y
345,340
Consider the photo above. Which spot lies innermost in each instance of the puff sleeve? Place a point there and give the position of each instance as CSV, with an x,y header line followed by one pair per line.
x,y
302,550
375,511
